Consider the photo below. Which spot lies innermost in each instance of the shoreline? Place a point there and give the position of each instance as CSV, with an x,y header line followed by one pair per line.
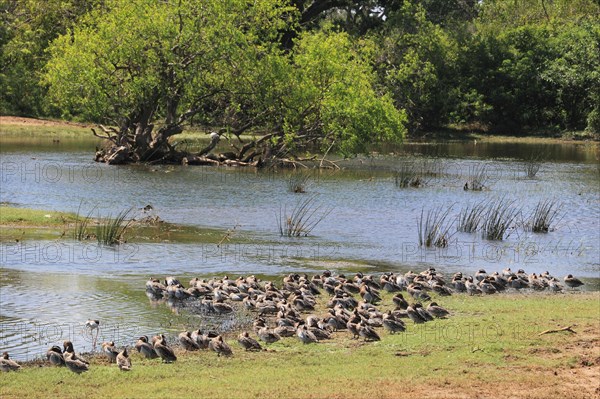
x,y
10,125
494,339
20,224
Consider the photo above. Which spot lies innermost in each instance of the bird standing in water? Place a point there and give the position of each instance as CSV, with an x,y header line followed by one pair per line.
x,y
94,327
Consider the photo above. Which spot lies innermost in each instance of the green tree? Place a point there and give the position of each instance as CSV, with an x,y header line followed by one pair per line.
x,y
334,92
219,60
144,62
534,65
416,61
574,75
26,29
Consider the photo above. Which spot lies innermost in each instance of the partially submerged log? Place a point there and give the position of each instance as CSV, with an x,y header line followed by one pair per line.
x,y
199,160
118,156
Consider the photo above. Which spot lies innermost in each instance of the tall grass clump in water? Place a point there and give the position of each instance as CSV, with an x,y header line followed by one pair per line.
x,y
532,164
498,219
298,180
110,231
81,224
477,178
305,216
471,217
407,175
543,215
432,167
433,229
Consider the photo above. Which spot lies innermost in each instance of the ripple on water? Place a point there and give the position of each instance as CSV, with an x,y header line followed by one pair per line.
x,y
47,296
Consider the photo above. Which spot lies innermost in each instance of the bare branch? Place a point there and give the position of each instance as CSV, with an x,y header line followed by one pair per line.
x,y
108,129
569,329
106,136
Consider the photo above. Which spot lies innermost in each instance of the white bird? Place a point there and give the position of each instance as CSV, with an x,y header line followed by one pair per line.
x,y
93,326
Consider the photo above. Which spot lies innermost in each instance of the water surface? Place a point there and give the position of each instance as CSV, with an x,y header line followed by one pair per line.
x,y
49,288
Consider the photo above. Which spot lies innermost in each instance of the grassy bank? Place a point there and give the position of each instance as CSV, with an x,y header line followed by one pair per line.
x,y
23,217
20,126
20,224
490,347
30,127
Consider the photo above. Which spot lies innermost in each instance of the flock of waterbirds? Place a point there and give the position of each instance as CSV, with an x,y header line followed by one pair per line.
x,y
279,312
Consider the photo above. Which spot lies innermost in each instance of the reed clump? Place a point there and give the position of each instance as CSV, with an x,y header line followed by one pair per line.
x,y
408,175
477,178
498,219
303,218
470,218
298,181
110,231
532,164
81,224
543,216
434,228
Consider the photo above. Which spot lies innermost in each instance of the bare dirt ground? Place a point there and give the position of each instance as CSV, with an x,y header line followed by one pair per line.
x,y
580,379
23,121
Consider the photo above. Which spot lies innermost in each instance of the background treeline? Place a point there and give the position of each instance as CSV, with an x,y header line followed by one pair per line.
x,y
497,65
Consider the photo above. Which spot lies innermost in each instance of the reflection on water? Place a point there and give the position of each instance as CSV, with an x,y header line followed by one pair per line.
x,y
48,289
556,152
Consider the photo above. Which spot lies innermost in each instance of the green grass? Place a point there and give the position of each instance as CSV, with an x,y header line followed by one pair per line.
x,y
28,224
489,341
55,131
11,216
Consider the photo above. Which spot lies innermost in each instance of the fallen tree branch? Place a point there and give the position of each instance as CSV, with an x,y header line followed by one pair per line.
x,y
569,329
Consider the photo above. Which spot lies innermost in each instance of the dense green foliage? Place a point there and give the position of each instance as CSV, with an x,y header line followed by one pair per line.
x,y
335,74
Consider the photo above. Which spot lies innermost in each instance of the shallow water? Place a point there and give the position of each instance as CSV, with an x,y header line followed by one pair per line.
x,y
48,288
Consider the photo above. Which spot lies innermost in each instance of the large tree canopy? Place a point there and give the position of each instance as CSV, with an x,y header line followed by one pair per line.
x,y
145,63
299,71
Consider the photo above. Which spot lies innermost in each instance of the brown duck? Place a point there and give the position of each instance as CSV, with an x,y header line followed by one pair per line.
x,y
248,343
123,361
68,345
218,345
187,342
144,347
111,352
163,350
7,364
55,356
74,364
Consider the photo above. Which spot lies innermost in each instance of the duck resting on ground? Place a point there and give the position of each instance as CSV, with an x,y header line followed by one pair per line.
x,y
572,282
55,356
248,343
7,364
163,350
123,361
